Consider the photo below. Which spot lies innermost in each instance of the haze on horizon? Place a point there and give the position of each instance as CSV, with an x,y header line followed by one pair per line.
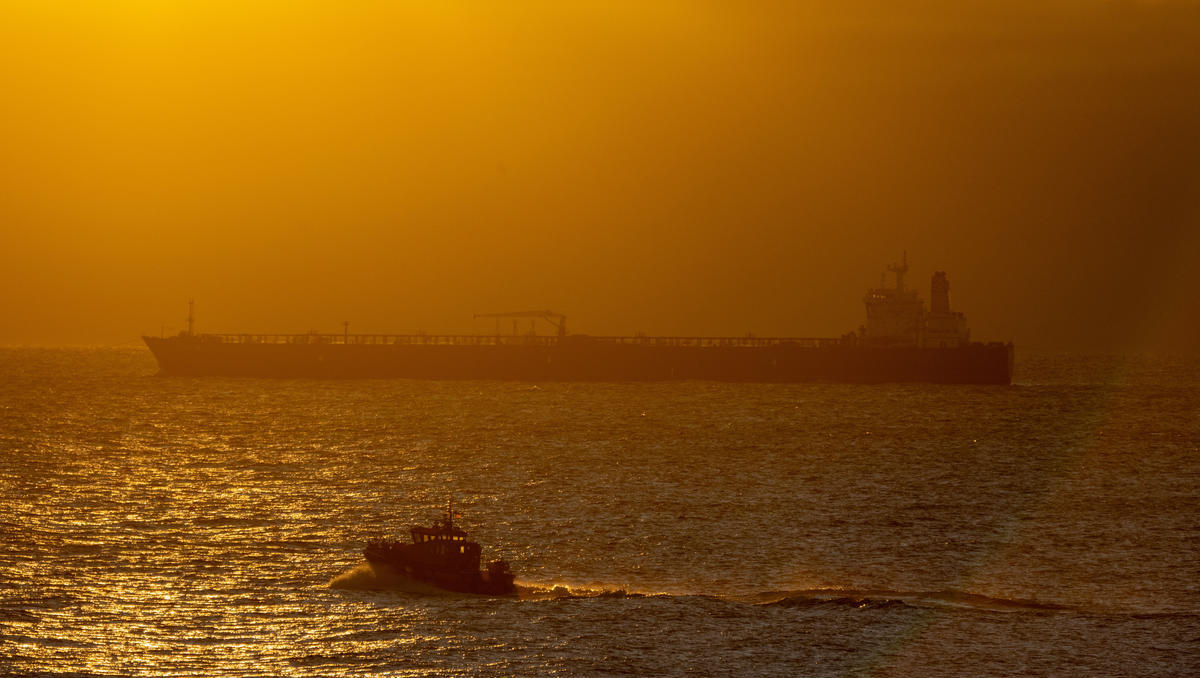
x,y
690,168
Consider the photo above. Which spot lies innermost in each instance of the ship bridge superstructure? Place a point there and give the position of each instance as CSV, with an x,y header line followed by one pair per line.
x,y
896,316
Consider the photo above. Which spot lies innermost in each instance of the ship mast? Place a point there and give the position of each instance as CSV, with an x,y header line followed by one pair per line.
x,y
900,269
191,317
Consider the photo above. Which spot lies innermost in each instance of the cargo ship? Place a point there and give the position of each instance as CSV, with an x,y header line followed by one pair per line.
x,y
901,341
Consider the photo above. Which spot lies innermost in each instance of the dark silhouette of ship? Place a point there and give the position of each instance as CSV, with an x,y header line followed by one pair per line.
x,y
444,557
902,341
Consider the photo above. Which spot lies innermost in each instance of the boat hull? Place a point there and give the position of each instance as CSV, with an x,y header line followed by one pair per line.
x,y
474,582
585,360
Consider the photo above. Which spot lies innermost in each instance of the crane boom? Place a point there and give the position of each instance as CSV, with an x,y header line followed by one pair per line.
x,y
553,317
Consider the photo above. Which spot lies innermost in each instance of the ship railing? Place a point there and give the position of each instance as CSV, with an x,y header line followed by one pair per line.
x,y
516,340
383,339
721,342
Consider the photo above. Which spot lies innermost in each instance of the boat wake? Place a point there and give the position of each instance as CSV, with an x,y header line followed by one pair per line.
x,y
883,599
369,577
560,592
821,598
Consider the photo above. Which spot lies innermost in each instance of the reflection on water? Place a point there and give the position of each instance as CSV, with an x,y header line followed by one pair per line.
x,y
167,526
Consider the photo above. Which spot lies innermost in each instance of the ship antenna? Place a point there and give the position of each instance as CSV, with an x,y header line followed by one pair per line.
x,y
191,317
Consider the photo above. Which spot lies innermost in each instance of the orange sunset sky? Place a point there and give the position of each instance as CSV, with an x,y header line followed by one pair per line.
x,y
696,168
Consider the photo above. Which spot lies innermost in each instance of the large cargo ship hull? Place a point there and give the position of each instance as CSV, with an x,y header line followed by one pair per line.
x,y
587,360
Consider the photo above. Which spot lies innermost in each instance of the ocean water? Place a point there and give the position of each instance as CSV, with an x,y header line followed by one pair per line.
x,y
205,526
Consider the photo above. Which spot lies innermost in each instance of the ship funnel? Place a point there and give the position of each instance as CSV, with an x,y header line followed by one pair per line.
x,y
939,293
900,269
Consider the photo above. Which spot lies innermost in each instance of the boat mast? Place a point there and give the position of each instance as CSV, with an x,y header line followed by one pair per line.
x,y
900,269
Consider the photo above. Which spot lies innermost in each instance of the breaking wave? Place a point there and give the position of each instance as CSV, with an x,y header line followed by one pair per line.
x,y
369,577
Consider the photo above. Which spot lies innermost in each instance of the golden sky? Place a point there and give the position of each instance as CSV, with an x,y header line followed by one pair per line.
x,y
670,167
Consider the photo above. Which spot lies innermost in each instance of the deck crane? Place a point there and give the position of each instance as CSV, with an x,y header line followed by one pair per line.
x,y
553,317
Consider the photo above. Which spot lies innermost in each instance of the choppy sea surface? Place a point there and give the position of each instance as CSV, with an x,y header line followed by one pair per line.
x,y
206,526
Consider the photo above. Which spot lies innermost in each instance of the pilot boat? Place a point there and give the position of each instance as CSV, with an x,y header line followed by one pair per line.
x,y
442,556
